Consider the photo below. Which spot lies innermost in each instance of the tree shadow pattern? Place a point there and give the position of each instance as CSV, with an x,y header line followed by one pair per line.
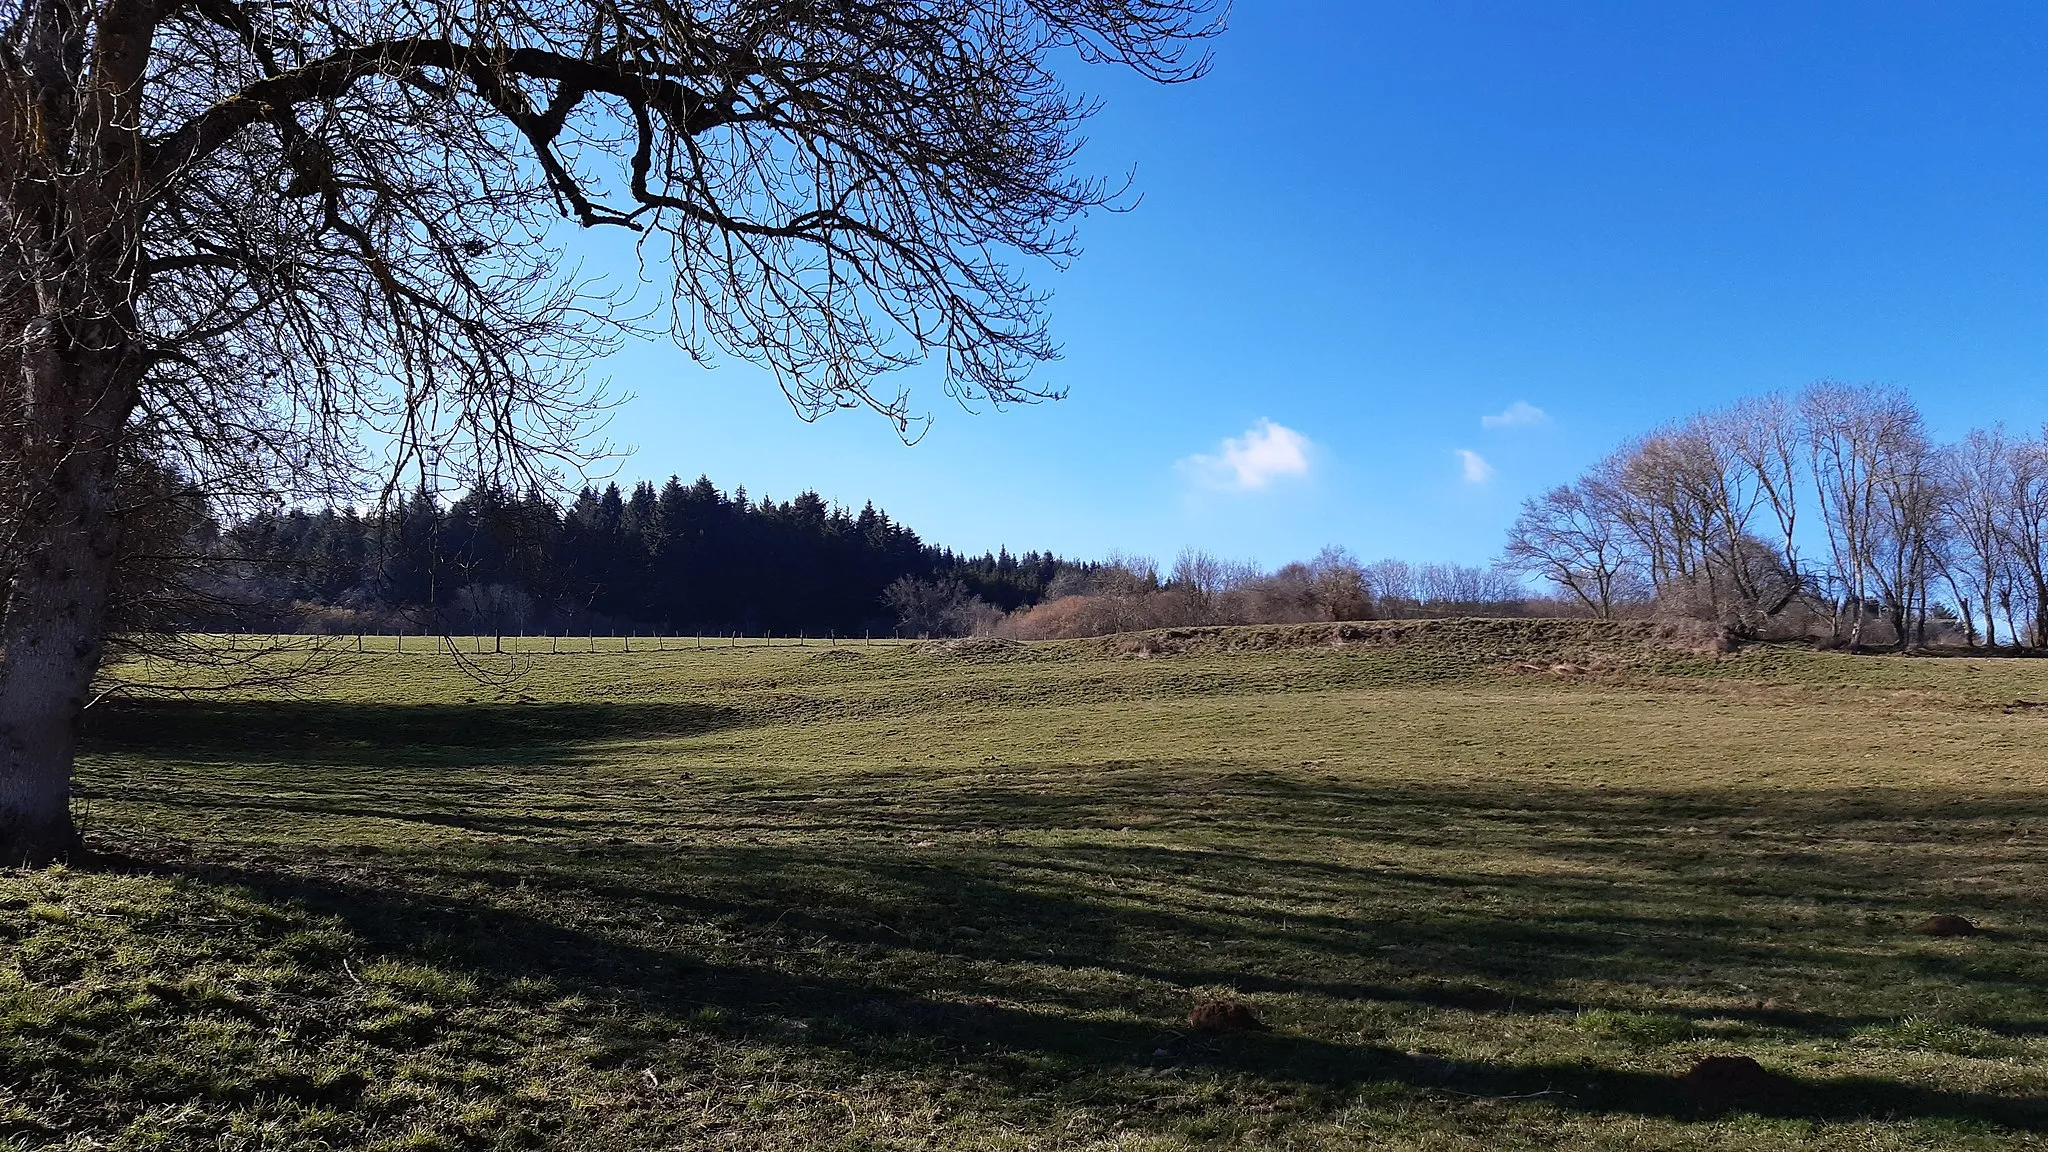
x,y
900,921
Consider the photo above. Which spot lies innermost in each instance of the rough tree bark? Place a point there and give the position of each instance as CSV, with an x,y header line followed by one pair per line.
x,y
70,173
53,633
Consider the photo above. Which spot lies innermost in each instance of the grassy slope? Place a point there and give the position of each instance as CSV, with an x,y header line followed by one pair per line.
x,y
769,899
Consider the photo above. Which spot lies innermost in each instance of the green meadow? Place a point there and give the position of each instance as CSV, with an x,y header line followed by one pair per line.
x,y
1485,886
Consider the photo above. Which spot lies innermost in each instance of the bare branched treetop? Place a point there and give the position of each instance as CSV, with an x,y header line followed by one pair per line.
x,y
339,209
264,245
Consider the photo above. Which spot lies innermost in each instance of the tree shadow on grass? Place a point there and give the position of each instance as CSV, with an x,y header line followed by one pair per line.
x,y
364,735
1630,888
1470,959
875,1026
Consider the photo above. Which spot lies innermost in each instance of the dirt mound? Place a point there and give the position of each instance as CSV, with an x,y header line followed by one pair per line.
x,y
1556,647
1731,1081
1219,1016
980,649
1947,925
836,655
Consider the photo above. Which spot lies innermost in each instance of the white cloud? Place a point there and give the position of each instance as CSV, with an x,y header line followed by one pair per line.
x,y
1520,414
1477,470
1247,463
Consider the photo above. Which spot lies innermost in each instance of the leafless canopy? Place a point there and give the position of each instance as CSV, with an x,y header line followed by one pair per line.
x,y
313,217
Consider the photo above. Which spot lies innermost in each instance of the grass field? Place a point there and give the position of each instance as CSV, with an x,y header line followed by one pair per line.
x,y
1483,894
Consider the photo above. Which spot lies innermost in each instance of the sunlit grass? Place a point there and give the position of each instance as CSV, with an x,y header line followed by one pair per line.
x,y
786,898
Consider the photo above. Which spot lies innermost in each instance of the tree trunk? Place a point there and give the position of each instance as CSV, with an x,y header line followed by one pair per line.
x,y
72,175
2040,613
1990,622
52,632
53,638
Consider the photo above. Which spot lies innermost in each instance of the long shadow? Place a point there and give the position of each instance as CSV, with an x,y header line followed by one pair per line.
x,y
1034,907
870,1023
1479,963
363,735
1589,927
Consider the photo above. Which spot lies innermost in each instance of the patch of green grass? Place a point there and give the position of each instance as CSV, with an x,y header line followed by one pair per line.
x,y
1642,1029
766,899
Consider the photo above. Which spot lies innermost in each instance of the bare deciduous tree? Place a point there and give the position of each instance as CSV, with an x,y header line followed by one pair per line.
x,y
285,245
1199,581
1563,536
1763,433
1679,504
2023,529
1844,431
1975,480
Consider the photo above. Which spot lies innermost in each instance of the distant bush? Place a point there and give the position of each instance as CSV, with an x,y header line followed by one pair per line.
x,y
939,608
1070,617
1126,595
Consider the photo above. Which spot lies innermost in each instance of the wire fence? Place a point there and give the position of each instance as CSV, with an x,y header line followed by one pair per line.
x,y
548,644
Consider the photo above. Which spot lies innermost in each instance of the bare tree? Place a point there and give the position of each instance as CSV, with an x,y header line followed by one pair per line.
x,y
1975,480
1565,537
943,607
1391,584
1764,434
1199,582
1680,502
1464,590
1844,432
2023,529
1338,585
259,237
1908,498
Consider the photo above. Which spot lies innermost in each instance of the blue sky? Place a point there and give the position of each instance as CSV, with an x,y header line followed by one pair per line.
x,y
1398,266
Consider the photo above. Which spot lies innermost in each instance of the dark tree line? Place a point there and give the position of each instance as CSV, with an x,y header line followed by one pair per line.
x,y
677,558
